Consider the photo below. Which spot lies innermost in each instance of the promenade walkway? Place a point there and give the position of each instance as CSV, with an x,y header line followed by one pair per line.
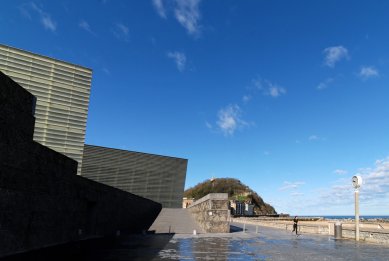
x,y
268,244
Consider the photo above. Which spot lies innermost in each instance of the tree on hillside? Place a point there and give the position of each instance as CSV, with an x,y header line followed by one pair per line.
x,y
236,191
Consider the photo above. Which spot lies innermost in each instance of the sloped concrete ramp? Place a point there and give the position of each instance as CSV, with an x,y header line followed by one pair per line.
x,y
175,220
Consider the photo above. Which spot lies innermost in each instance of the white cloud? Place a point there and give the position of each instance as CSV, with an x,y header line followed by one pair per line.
x,y
340,171
121,32
85,26
45,18
368,72
374,193
188,15
246,98
313,137
334,54
296,194
257,83
48,23
159,7
229,119
276,91
324,85
291,185
267,87
186,12
179,58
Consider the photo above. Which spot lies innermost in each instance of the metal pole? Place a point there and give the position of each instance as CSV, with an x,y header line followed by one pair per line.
x,y
244,228
357,215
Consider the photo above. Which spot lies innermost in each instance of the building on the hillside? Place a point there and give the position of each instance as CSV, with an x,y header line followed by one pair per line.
x,y
240,208
159,178
62,90
186,202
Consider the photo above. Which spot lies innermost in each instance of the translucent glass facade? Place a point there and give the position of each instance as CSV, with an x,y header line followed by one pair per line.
x,y
62,91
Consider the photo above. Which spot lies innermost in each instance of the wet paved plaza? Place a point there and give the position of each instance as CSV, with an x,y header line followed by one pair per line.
x,y
268,244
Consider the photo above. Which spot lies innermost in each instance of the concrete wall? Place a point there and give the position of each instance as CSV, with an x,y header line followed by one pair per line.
x,y
42,200
211,213
369,235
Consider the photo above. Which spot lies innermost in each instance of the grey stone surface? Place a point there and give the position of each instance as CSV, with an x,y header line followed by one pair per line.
x,y
212,213
175,220
42,200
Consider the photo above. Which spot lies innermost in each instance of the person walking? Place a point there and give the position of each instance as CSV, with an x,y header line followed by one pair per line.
x,y
295,221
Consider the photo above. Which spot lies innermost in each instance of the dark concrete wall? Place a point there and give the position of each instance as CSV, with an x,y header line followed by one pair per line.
x,y
42,200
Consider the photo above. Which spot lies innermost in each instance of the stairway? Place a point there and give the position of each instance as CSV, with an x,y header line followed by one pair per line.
x,y
175,220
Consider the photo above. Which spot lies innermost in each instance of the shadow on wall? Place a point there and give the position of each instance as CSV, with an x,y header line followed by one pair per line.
x,y
42,200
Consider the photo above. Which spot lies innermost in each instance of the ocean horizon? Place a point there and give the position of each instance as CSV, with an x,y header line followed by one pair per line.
x,y
350,216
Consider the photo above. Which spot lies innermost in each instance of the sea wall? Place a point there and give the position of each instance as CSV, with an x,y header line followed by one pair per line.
x,y
368,232
42,200
211,213
369,235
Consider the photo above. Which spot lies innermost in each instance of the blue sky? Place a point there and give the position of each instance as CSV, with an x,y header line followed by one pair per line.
x,y
290,97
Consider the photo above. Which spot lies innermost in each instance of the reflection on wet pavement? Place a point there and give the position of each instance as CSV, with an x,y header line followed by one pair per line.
x,y
268,244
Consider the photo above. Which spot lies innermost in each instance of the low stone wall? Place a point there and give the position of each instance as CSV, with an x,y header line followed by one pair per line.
x,y
42,200
369,235
324,229
366,231
211,213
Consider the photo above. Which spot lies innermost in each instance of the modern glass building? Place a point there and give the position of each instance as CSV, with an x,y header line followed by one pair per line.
x,y
159,178
62,90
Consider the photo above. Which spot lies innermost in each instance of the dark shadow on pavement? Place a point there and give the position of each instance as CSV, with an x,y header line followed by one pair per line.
x,y
234,229
131,247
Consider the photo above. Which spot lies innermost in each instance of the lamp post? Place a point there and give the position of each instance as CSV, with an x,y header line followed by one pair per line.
x,y
357,182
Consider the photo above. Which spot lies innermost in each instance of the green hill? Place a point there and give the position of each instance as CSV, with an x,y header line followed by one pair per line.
x,y
235,189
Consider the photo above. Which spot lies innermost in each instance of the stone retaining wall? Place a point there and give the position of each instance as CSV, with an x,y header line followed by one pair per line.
x,y
211,213
42,200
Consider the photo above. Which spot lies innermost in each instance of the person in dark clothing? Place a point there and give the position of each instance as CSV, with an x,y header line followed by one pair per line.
x,y
295,221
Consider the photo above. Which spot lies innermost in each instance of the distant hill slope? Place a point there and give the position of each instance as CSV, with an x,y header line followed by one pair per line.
x,y
235,189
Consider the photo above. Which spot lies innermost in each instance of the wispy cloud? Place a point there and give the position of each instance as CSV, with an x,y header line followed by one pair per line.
x,y
188,15
324,84
230,119
334,54
121,32
340,171
291,185
374,193
266,87
46,20
246,98
313,137
179,58
186,12
85,26
160,8
367,72
296,194
106,71
276,91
